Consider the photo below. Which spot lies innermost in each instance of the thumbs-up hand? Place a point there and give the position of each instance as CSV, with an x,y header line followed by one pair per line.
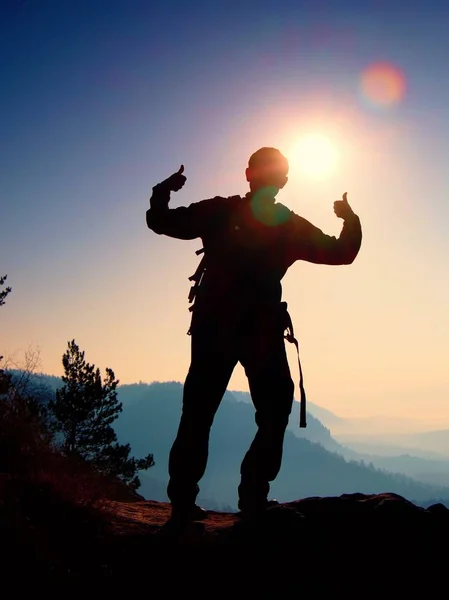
x,y
176,181
342,208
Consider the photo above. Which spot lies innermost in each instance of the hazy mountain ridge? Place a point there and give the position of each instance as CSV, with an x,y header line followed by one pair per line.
x,y
429,438
421,465
151,415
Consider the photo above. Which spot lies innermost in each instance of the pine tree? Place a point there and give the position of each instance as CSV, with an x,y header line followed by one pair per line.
x,y
5,378
4,292
5,381
83,412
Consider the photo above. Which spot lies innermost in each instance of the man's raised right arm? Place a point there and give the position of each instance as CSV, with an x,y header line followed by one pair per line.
x,y
184,222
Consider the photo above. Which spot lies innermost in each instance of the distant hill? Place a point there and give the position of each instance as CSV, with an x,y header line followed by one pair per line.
x,y
150,417
429,440
382,426
385,448
426,444
149,422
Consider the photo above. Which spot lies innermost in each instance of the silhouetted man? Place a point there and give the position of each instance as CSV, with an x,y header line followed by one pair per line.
x,y
249,243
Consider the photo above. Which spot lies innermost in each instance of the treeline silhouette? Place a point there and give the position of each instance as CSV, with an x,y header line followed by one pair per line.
x,y
60,459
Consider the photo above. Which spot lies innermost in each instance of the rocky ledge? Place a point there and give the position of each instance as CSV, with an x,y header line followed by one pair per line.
x,y
352,544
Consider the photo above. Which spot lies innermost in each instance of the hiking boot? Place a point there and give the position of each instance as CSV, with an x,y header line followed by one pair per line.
x,y
255,509
187,514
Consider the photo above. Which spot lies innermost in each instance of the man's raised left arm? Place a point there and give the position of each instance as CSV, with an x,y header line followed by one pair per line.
x,y
309,243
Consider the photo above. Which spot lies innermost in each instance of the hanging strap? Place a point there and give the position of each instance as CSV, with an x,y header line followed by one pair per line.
x,y
290,337
196,278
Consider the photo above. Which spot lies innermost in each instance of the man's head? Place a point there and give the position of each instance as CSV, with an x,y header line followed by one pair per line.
x,y
267,167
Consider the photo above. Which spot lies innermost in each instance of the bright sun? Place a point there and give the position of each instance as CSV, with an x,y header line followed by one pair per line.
x,y
314,155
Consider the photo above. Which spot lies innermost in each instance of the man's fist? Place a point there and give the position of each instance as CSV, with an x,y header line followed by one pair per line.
x,y
175,182
342,208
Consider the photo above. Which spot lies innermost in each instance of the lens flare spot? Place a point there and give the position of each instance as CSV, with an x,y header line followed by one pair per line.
x,y
383,84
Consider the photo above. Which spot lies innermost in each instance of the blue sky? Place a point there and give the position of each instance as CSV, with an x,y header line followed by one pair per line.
x,y
101,100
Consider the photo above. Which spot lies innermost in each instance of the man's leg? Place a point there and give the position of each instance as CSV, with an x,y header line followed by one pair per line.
x,y
212,364
272,389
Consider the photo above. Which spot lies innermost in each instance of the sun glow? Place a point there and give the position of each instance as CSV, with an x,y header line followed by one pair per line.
x,y
314,155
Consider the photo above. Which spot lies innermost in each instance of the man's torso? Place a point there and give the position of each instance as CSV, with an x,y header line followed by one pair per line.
x,y
246,255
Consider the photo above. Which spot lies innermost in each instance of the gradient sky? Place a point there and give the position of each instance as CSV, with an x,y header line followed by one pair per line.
x,y
103,99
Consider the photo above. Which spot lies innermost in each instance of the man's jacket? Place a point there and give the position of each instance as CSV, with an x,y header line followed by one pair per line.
x,y
249,244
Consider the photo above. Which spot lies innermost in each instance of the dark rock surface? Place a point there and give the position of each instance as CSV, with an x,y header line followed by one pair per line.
x,y
358,545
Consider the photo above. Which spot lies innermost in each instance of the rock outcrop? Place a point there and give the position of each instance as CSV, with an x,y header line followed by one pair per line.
x,y
352,544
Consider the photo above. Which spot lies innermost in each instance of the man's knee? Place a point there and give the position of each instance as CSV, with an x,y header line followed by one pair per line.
x,y
278,392
274,405
195,424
